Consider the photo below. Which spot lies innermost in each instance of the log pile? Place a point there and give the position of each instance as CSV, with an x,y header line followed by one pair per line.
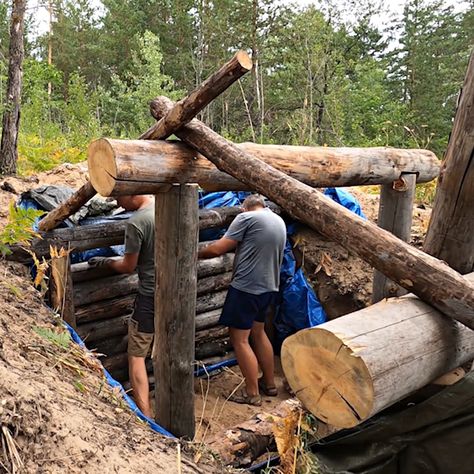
x,y
104,301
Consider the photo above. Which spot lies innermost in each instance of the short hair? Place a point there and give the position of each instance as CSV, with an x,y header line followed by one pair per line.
x,y
254,200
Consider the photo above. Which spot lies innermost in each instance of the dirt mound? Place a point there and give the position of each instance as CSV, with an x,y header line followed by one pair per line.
x,y
57,414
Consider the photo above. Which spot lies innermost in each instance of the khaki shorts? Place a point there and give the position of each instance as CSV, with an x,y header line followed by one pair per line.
x,y
139,343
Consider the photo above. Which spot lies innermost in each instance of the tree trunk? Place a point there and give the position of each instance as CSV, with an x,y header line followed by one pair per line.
x,y
208,319
422,274
187,108
105,309
139,166
97,330
450,234
395,215
347,370
214,283
210,302
61,289
11,116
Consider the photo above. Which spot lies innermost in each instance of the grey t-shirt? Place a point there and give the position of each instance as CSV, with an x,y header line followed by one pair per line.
x,y
140,238
261,235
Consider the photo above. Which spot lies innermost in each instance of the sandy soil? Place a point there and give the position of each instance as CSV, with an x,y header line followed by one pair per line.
x,y
56,413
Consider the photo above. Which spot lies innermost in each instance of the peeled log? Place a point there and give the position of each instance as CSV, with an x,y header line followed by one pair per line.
x,y
214,283
118,167
105,309
347,370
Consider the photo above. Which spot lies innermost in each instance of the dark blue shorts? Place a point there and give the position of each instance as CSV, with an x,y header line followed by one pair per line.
x,y
241,309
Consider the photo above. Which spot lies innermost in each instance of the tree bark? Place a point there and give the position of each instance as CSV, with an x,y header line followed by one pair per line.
x,y
175,308
67,208
210,302
138,166
450,235
427,277
216,265
347,370
105,309
187,108
11,116
214,283
395,215
103,329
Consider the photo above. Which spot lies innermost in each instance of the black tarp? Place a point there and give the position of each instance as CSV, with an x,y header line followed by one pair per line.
x,y
430,437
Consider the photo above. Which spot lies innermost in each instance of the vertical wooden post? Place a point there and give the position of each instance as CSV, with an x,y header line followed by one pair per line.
x,y
176,239
395,215
61,289
450,235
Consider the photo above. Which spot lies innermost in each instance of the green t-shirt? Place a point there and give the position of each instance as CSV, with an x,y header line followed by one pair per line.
x,y
140,238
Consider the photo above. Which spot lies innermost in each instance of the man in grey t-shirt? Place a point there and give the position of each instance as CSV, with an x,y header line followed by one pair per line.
x,y
259,237
139,255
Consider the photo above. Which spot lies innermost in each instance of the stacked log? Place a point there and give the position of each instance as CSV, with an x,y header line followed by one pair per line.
x,y
104,302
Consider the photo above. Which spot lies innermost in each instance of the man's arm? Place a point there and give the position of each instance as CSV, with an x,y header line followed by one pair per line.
x,y
220,247
126,264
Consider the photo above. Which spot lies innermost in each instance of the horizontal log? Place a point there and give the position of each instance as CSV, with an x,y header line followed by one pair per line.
x,y
216,265
213,348
216,332
88,237
111,287
214,283
210,301
215,359
348,369
105,309
110,346
96,330
116,361
118,167
207,320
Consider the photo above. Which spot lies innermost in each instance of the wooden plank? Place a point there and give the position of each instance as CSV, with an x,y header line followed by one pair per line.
x,y
395,215
176,281
348,369
450,235
119,167
430,279
187,108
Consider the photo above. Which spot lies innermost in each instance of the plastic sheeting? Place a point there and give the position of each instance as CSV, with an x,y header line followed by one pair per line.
x,y
431,437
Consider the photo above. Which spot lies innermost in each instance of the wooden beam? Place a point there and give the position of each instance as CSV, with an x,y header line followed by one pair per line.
x,y
67,208
348,369
187,108
431,280
61,289
450,235
138,166
175,307
395,215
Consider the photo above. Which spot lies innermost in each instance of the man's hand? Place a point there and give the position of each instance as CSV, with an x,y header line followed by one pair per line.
x,y
96,262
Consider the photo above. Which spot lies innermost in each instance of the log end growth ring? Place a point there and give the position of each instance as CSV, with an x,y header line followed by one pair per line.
x,y
328,377
102,166
244,60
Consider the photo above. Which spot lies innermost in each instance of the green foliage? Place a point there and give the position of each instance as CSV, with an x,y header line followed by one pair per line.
x,y
59,337
19,229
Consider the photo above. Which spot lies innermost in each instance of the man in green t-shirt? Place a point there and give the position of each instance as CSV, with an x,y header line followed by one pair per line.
x,y
139,255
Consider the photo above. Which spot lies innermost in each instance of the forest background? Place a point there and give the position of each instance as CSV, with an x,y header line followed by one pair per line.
x,y
324,74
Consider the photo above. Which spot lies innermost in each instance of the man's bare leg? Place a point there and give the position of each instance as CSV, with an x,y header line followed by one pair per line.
x,y
264,351
246,358
139,381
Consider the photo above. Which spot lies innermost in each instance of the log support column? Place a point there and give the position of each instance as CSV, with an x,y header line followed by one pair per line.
x,y
61,289
176,240
395,215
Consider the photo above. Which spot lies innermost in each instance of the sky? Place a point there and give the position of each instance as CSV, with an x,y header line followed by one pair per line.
x,y
391,9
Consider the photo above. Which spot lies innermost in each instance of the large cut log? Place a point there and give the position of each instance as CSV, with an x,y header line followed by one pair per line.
x,y
216,265
139,166
105,309
216,332
67,208
450,235
110,346
111,287
187,108
217,347
395,215
105,235
96,330
346,370
175,307
427,277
